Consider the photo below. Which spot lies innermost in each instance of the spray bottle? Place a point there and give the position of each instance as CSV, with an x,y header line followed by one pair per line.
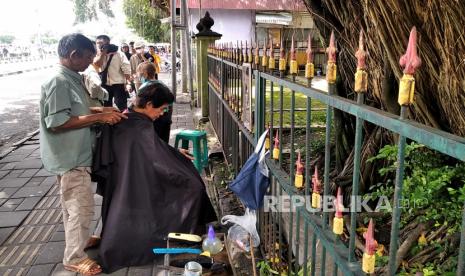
x,y
211,243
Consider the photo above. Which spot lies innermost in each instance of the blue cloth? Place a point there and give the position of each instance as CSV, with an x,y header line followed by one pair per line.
x,y
251,184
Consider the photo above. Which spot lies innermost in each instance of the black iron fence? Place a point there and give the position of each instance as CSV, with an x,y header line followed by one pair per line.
x,y
298,234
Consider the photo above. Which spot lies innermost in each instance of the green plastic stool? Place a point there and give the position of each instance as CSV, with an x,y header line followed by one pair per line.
x,y
198,138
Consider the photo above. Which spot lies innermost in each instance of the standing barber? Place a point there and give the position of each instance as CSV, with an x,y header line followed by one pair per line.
x,y
66,141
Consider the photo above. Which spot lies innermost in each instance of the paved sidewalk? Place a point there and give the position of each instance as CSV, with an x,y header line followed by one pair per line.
x,y
31,229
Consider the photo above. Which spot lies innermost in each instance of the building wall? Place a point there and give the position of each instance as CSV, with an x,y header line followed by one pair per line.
x,y
269,5
234,25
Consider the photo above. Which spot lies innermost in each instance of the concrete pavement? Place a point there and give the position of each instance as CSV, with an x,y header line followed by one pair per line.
x,y
31,229
19,105
8,69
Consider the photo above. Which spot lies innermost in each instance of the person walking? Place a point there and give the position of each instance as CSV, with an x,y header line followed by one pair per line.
x,y
114,71
131,48
5,52
156,60
138,58
125,50
130,87
66,142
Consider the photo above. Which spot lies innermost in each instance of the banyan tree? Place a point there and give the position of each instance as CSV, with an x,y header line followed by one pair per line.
x,y
439,89
440,85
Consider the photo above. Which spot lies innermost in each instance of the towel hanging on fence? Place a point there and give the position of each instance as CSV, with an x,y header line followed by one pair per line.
x,y
252,181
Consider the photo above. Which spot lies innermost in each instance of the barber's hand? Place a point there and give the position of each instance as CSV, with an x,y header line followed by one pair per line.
x,y
186,154
111,118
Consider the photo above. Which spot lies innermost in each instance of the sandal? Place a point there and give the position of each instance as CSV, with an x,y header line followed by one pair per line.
x,y
93,242
87,267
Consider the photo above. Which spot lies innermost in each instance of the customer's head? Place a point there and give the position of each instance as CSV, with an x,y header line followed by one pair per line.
x,y
146,71
153,100
151,49
76,52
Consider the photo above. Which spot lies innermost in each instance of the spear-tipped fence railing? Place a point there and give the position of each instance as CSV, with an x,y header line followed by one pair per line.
x,y
298,233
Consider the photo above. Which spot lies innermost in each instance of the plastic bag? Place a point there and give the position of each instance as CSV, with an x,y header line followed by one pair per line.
x,y
243,228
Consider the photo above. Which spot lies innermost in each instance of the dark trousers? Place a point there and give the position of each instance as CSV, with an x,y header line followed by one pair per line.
x,y
121,96
162,125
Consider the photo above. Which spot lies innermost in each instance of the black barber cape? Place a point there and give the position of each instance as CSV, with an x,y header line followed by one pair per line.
x,y
149,189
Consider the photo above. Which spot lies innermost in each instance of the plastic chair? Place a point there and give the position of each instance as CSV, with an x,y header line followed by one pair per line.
x,y
200,148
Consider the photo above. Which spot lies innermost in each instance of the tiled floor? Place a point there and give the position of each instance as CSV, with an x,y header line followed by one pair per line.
x,y
31,229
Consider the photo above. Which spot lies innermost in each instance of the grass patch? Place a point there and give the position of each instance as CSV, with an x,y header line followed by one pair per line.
x,y
318,113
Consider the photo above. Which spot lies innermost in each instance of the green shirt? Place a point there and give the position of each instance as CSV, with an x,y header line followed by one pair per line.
x,y
62,97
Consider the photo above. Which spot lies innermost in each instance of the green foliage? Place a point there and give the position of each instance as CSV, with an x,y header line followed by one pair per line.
x,y
227,175
265,269
381,261
427,270
145,20
301,270
86,10
45,39
431,185
6,39
104,6
49,40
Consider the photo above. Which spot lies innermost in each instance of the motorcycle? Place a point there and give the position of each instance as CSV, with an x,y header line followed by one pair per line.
x,y
166,64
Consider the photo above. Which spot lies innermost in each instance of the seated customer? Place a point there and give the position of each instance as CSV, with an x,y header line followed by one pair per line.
x,y
147,74
150,189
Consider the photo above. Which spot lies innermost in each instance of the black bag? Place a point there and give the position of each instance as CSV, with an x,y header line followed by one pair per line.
x,y
104,74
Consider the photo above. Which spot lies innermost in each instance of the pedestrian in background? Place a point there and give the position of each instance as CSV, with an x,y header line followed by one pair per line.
x,y
114,70
156,60
98,95
130,87
5,52
138,58
132,50
125,50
